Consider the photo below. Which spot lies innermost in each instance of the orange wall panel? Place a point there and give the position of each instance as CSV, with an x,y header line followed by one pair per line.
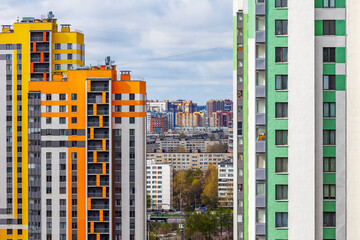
x,y
94,109
34,47
101,214
104,191
136,87
42,57
101,121
89,203
95,156
44,36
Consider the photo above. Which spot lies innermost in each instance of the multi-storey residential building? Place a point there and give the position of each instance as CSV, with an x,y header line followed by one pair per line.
x,y
296,119
73,141
159,184
187,160
225,183
186,106
214,106
169,144
159,125
228,105
186,119
158,106
222,119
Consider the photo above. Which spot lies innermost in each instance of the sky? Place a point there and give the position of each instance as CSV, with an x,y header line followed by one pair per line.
x,y
181,48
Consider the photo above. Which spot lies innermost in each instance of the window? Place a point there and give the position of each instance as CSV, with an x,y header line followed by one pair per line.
x,y
131,96
329,219
118,120
329,27
132,120
131,108
62,120
73,120
281,82
69,67
281,54
260,215
57,56
329,3
69,46
281,110
74,108
329,109
48,120
281,165
280,3
117,97
328,55
329,191
8,56
329,164
62,97
281,192
57,67
329,137
281,27
69,57
329,82
117,108
73,96
57,46
260,189
19,56
281,137
48,108
8,46
62,108
281,219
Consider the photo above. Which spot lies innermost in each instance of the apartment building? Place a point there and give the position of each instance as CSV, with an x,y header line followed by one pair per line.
x,y
73,140
190,160
159,184
225,183
169,144
186,119
296,129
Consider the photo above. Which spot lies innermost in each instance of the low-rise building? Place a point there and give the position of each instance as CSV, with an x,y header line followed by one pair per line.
x,y
169,144
189,119
188,160
159,184
225,183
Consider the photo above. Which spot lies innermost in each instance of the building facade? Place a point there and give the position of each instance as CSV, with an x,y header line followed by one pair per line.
x,y
169,144
222,119
159,125
73,140
296,108
186,119
190,160
159,185
225,183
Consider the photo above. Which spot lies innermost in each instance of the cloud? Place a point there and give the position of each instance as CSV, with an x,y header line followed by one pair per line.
x,y
182,48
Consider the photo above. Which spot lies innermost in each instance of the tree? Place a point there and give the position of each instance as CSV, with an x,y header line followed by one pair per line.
x,y
182,135
224,216
148,200
209,195
180,149
200,222
217,148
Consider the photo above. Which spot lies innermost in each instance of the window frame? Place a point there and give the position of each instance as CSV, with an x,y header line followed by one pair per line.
x,y
282,79
282,139
283,29
331,218
282,192
282,57
331,164
327,139
281,4
279,164
283,106
328,113
331,55
329,27
331,82
282,215
329,5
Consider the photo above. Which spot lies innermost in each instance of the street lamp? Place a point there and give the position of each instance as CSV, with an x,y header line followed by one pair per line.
x,y
181,226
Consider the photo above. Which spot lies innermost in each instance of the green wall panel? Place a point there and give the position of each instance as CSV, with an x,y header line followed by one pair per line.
x,y
329,151
329,69
329,233
318,27
329,178
329,124
329,206
340,3
340,83
340,55
329,96
340,27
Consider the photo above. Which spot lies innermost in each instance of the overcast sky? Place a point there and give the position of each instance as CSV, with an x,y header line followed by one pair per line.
x,y
182,48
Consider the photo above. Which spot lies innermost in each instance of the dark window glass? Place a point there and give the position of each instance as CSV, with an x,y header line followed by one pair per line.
x,y
328,55
329,27
281,82
281,54
329,164
281,27
281,110
281,137
329,137
329,82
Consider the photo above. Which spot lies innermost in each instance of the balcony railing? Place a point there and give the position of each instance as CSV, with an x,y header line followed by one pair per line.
x,y
101,135
41,70
99,194
97,171
39,39
102,183
99,89
97,148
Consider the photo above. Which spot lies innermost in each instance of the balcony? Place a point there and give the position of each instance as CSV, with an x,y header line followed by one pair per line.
x,y
38,60
99,206
40,70
99,89
98,148
98,159
102,183
97,171
97,194
101,136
